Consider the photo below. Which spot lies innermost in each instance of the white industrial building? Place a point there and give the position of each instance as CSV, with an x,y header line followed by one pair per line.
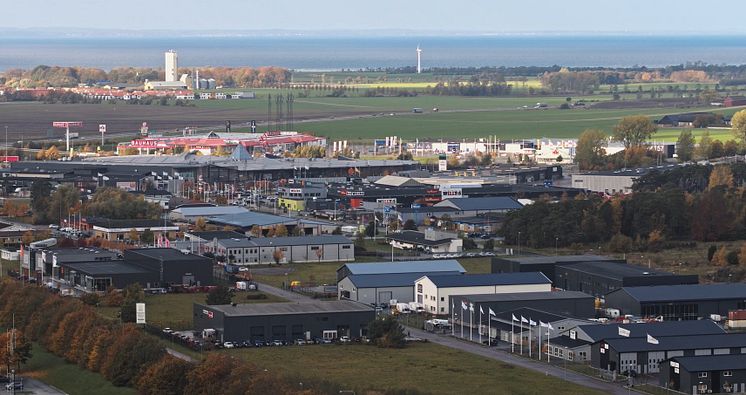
x,y
299,249
172,66
434,291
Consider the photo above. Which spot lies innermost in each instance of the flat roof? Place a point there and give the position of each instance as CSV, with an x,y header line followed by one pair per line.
x,y
666,328
531,314
210,211
335,306
544,259
614,270
482,203
525,296
567,342
444,265
167,254
100,268
250,218
414,237
696,292
476,280
238,242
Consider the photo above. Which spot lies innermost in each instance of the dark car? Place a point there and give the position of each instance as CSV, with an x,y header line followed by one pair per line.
x,y
259,343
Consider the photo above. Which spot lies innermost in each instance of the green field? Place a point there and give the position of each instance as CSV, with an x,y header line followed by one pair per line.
x,y
508,124
425,367
68,377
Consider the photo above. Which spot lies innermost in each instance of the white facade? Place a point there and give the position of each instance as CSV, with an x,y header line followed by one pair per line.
x,y
605,183
172,65
436,300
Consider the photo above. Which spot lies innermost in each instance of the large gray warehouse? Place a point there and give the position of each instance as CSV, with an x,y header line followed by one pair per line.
x,y
284,321
568,303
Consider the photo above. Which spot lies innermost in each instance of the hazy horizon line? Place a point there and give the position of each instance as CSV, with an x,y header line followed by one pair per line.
x,y
80,32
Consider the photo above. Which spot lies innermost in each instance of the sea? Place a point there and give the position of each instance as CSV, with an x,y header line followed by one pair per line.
x,y
328,53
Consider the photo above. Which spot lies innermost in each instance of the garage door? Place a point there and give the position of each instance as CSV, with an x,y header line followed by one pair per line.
x,y
385,296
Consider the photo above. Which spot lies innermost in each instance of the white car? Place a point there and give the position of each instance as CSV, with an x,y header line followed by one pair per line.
x,y
243,269
229,345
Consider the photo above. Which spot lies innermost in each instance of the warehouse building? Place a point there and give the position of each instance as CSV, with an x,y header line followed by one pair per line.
x,y
172,266
644,355
99,276
434,291
432,266
430,240
679,302
518,332
717,374
575,343
298,249
568,303
381,288
592,274
122,229
284,321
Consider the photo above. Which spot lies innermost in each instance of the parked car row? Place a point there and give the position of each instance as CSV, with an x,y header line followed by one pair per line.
x,y
464,255
279,343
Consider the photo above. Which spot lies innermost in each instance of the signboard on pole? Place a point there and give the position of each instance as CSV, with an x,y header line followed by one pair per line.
x,y
140,313
102,128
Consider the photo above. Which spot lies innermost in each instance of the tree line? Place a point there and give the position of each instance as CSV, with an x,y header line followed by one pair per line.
x,y
58,76
702,203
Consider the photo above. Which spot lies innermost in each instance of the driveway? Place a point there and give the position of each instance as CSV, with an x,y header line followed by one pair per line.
x,y
37,387
290,296
492,353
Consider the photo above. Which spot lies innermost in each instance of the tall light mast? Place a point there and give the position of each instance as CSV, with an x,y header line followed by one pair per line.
x,y
419,60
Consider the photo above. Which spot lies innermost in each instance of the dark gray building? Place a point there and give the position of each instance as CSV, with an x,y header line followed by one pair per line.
x,y
594,275
679,302
99,276
567,303
172,266
645,354
716,374
284,321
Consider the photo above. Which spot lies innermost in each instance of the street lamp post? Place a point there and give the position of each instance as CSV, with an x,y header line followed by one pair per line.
x,y
519,243
556,244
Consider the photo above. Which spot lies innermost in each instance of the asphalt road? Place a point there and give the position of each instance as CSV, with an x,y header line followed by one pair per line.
x,y
492,353
33,386
290,296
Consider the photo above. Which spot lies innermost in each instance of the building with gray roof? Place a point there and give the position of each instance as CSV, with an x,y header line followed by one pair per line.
x,y
296,249
718,374
381,288
679,302
284,321
569,303
644,354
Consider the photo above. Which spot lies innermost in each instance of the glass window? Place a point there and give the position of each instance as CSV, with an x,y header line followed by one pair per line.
x,y
727,373
702,375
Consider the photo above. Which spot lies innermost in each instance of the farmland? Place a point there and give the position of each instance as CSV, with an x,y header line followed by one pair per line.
x,y
352,118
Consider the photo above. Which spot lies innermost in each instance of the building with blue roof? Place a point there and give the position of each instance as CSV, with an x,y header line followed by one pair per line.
x,y
382,288
435,291
425,266
679,302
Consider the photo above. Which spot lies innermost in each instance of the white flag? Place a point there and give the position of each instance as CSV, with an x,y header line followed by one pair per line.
x,y
471,307
624,332
542,324
463,306
493,313
532,322
480,310
652,340
514,319
524,320
549,325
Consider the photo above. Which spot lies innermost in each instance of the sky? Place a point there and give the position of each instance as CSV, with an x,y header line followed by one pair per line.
x,y
354,16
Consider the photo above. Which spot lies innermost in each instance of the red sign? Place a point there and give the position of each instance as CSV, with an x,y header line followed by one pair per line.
x,y
10,158
66,124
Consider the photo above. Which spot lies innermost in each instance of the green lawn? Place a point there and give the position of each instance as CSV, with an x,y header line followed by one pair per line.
x,y
427,367
671,135
67,377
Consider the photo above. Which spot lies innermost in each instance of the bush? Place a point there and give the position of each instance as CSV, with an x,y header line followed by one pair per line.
x,y
711,252
386,332
257,296
620,243
732,258
469,244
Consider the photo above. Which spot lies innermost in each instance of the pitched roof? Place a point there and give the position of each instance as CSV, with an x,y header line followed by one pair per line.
x,y
637,344
532,314
567,342
104,268
666,328
698,292
240,153
476,280
239,242
210,211
712,362
444,265
482,203
389,280
614,270
248,219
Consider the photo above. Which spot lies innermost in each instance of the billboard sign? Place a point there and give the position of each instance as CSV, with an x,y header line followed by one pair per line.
x,y
140,313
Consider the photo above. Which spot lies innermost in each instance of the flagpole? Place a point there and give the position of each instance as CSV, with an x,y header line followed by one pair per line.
x,y
471,322
489,329
480,325
549,325
512,337
453,319
538,352
530,335
521,337
462,320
